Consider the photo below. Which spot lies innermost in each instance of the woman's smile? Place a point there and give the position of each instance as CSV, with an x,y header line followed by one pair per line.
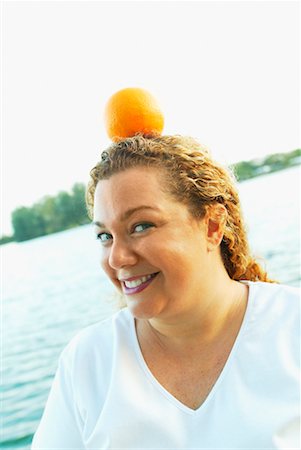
x,y
137,284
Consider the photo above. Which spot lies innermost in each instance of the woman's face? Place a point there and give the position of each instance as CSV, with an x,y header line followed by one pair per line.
x,y
151,247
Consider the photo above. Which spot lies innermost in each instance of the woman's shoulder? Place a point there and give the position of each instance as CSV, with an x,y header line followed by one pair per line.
x,y
98,338
273,304
274,293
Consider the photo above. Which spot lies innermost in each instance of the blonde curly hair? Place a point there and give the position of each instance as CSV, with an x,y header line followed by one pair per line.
x,y
193,178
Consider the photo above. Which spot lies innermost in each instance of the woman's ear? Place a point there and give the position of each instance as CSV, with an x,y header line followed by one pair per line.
x,y
215,220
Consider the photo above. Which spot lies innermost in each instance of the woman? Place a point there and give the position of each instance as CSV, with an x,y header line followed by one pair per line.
x,y
204,354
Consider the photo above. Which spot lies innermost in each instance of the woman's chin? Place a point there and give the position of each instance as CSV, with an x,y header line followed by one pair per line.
x,y
141,309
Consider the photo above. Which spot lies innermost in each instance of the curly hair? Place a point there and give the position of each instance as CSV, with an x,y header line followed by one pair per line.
x,y
193,178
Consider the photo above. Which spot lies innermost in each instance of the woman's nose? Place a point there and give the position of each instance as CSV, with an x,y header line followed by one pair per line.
x,y
121,255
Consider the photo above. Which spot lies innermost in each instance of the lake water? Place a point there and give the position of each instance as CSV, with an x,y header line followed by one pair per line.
x,y
53,286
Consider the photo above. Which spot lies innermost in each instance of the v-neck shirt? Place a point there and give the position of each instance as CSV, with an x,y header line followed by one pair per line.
x,y
104,396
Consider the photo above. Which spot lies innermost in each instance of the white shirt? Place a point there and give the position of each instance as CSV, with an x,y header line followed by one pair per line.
x,y
105,397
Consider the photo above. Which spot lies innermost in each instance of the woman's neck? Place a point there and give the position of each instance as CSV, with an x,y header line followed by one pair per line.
x,y
220,313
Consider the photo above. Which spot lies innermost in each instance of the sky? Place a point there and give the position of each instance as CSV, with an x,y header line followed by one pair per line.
x,y
224,72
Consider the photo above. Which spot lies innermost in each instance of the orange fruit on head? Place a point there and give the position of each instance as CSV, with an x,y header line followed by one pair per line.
x,y
132,111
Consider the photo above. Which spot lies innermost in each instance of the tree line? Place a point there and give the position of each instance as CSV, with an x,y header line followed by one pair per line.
x,y
271,163
68,210
50,215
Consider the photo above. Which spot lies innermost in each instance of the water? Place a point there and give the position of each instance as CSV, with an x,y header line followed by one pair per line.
x,y
53,287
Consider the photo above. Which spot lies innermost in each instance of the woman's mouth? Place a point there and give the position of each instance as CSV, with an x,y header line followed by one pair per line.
x,y
136,285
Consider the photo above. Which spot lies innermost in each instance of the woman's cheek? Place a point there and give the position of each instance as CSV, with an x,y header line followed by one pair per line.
x,y
104,263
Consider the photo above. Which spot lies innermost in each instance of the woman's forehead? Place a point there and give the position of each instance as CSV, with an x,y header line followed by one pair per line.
x,y
136,180
133,189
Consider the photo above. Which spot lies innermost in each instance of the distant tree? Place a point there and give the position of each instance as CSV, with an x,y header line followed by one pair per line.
x,y
6,239
27,223
244,170
47,208
277,161
79,204
295,153
64,210
271,163
51,214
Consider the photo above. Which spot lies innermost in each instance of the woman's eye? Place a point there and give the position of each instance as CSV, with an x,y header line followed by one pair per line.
x,y
104,238
142,227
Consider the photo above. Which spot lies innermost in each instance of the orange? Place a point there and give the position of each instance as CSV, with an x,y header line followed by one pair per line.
x,y
132,111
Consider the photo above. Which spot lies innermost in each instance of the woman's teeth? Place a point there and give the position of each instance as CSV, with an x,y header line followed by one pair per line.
x,y
138,282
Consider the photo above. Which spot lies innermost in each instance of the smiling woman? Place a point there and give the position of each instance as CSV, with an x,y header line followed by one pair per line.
x,y
146,232
205,339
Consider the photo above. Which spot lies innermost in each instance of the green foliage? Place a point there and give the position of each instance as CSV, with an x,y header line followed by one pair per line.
x,y
51,214
27,223
6,239
271,163
244,170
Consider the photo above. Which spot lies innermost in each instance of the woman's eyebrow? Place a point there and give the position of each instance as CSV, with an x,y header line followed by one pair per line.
x,y
128,213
